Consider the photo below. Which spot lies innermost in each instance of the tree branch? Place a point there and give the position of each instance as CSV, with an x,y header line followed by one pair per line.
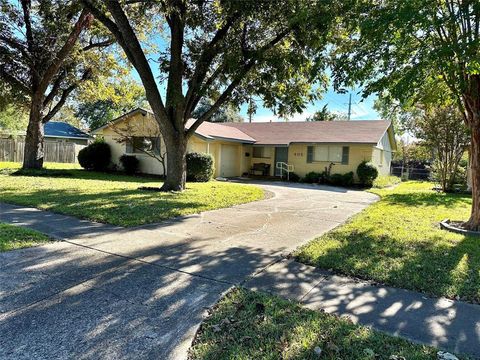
x,y
205,61
238,79
83,21
126,38
12,80
66,92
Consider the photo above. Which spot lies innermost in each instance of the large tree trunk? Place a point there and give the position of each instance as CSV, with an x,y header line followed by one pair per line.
x,y
34,153
176,163
474,222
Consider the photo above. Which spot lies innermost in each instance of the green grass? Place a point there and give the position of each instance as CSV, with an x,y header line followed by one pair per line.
x,y
250,325
16,165
397,241
13,237
385,181
116,199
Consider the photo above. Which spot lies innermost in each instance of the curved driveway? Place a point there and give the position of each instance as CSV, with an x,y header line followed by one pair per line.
x,y
112,293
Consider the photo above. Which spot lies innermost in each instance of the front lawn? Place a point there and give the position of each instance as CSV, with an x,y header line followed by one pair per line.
x,y
250,325
116,199
397,241
14,237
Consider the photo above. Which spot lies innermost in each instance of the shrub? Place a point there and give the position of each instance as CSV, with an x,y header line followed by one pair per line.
x,y
293,177
341,179
95,156
130,164
367,173
199,167
312,177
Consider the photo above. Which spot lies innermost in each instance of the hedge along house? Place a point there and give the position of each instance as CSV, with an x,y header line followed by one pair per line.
x,y
263,148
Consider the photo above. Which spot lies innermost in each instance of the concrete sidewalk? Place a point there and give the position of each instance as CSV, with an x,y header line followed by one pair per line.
x,y
111,292
447,324
141,293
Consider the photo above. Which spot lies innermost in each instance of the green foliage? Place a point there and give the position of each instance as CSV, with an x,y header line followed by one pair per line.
x,y
292,177
96,156
367,173
325,115
115,198
405,46
15,237
415,151
341,179
385,181
13,119
312,177
255,325
199,167
108,99
27,57
130,164
226,113
397,241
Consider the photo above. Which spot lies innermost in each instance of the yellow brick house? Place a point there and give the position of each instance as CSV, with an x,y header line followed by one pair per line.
x,y
245,148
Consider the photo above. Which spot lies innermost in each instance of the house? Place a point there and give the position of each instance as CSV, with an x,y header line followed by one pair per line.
x,y
62,143
243,148
62,131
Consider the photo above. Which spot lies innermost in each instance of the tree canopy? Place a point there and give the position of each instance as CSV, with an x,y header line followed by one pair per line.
x,y
226,113
326,115
404,47
107,99
222,50
45,53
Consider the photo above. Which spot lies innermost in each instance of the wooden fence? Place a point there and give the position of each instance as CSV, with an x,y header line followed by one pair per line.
x,y
55,151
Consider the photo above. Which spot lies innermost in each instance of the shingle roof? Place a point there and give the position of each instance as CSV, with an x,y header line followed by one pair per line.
x,y
284,133
62,129
219,131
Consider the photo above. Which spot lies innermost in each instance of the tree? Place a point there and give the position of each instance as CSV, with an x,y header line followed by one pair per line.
x,y
400,45
13,120
326,115
226,113
440,130
225,50
41,61
108,99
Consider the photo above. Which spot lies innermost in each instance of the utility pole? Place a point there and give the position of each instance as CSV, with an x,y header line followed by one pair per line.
x,y
350,107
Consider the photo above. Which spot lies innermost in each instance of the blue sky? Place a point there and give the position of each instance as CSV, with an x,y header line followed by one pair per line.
x,y
362,109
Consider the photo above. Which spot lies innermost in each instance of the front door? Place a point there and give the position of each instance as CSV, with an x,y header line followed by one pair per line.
x,y
229,164
281,155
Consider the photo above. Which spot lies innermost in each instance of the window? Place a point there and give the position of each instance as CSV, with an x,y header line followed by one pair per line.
x,y
140,144
260,152
330,153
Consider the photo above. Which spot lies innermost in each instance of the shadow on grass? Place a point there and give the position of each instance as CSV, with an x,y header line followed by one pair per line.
x,y
432,266
427,199
259,326
128,207
82,174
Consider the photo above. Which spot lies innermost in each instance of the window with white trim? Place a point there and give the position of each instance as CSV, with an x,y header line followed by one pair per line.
x,y
328,153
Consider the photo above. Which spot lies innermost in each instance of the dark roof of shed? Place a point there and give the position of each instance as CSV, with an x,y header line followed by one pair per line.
x,y
64,130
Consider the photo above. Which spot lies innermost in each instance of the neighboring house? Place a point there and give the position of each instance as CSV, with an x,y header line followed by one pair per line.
x,y
240,148
62,131
62,143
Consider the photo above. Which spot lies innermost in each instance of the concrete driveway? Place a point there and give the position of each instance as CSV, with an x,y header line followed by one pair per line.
x,y
113,293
